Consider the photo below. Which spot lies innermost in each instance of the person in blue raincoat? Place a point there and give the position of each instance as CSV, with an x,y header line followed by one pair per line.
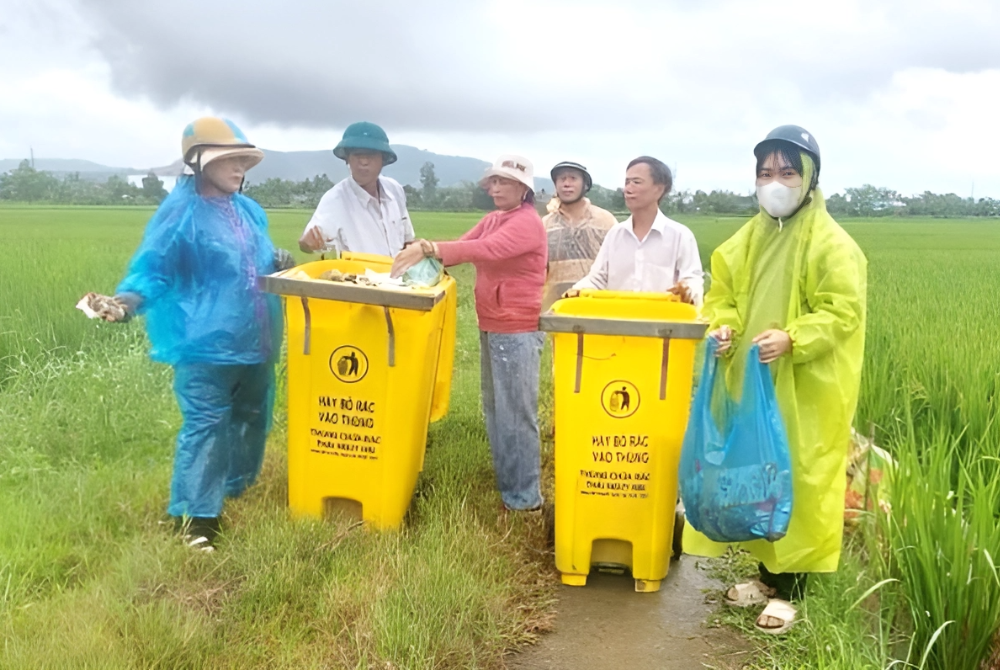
x,y
194,278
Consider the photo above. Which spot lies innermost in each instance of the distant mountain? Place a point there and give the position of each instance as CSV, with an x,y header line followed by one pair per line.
x,y
297,166
450,170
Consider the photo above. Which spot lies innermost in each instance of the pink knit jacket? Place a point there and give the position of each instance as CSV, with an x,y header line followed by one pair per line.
x,y
509,251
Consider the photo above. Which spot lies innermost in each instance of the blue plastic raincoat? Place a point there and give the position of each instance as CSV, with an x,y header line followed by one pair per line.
x,y
196,274
806,276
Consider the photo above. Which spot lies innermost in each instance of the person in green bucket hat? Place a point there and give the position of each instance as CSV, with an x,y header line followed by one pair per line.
x,y
366,212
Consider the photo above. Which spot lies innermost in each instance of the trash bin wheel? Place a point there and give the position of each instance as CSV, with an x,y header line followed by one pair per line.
x,y
647,585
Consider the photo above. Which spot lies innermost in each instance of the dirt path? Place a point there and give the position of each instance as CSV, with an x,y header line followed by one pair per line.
x,y
607,625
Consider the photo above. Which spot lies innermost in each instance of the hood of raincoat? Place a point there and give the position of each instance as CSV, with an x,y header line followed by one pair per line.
x,y
196,271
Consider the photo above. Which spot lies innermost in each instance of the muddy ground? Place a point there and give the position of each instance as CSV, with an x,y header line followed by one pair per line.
x,y
606,624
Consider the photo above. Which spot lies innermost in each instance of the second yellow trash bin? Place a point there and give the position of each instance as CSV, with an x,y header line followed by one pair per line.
x,y
624,364
366,369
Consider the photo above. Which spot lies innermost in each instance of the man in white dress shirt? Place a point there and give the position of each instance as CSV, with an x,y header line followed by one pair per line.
x,y
365,212
647,251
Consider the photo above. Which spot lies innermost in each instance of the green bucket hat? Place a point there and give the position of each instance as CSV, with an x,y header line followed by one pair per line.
x,y
365,136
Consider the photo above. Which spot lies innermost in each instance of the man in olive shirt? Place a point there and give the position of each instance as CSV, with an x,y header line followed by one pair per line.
x,y
575,229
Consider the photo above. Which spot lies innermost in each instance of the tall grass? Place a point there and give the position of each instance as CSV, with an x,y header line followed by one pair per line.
x,y
944,539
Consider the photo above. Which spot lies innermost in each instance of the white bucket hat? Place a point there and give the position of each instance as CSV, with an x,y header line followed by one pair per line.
x,y
514,167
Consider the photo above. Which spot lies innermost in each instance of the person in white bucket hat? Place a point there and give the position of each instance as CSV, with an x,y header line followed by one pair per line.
x,y
509,251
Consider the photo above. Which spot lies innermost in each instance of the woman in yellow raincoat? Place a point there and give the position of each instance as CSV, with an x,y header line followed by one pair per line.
x,y
794,282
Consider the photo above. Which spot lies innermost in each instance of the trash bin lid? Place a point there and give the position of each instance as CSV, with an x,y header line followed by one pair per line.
x,y
422,300
590,325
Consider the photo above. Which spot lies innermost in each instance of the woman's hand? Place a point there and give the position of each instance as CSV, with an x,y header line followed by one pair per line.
x,y
112,310
723,336
412,253
283,260
773,345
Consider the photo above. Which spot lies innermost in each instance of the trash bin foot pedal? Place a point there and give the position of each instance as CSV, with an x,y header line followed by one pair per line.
x,y
574,580
647,585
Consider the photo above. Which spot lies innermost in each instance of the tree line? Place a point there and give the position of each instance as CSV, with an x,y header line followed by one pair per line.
x,y
26,184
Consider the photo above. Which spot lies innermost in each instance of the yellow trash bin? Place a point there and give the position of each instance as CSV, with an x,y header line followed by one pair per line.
x,y
367,366
624,364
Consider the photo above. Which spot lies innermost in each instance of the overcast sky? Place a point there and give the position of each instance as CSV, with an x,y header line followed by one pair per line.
x,y
899,93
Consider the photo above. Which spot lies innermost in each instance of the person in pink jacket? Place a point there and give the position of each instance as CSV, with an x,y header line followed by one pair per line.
x,y
509,250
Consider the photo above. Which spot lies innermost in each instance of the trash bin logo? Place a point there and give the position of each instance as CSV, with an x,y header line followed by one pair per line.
x,y
348,364
620,399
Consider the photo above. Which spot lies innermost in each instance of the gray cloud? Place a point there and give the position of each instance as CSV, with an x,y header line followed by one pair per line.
x,y
695,83
320,64
443,66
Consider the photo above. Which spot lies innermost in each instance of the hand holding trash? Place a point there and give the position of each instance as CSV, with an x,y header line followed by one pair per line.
x,y
723,336
283,260
111,309
681,290
313,240
773,345
412,253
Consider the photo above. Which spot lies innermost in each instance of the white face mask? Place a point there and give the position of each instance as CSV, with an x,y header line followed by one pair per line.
x,y
778,200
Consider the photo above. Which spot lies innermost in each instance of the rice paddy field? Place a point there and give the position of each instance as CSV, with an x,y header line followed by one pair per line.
x,y
90,579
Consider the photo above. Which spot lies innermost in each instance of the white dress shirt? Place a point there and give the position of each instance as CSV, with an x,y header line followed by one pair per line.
x,y
355,221
668,255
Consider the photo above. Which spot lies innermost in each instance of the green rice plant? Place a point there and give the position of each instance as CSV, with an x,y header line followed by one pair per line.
x,y
944,539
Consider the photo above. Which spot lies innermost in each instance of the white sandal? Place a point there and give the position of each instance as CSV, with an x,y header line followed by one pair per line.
x,y
748,594
778,610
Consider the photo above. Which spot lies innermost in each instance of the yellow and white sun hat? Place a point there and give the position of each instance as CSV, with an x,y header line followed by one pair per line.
x,y
210,138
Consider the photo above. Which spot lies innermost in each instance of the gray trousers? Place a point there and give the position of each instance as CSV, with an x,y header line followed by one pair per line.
x,y
510,403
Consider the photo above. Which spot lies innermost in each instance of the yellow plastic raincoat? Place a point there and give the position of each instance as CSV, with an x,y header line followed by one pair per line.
x,y
806,276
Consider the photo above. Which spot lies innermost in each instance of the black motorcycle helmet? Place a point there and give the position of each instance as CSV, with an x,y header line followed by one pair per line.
x,y
796,136
588,182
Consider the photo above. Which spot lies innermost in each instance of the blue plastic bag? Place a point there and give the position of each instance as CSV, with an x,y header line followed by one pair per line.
x,y
428,272
735,471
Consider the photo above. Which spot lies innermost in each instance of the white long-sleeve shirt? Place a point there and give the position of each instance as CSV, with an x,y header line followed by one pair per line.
x,y
355,221
668,255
